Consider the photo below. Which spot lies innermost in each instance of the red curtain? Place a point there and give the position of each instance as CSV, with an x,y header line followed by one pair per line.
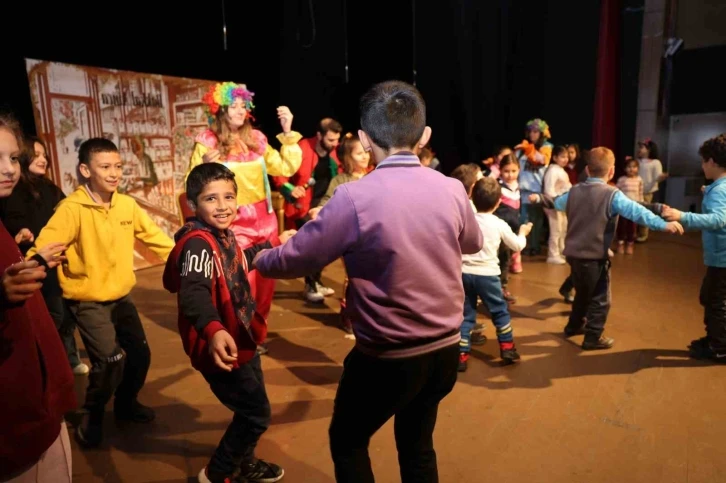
x,y
606,111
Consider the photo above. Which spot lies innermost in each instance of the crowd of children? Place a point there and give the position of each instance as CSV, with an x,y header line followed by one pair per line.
x,y
408,349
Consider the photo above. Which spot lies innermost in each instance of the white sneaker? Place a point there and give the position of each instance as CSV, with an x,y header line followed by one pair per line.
x,y
312,295
557,261
324,291
81,369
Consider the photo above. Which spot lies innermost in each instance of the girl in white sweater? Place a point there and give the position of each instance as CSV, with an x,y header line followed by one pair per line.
x,y
651,170
557,182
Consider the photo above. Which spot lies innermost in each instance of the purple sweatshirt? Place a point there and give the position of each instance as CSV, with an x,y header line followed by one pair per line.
x,y
401,230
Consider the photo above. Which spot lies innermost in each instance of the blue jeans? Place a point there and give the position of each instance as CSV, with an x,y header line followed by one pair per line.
x,y
489,290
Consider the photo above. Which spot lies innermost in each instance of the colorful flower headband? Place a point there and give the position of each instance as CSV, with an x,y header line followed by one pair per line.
x,y
223,95
541,126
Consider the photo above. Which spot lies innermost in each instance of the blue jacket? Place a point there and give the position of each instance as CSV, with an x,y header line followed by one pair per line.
x,y
712,222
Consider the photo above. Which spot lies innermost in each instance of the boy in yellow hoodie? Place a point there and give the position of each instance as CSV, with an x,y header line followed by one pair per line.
x,y
99,226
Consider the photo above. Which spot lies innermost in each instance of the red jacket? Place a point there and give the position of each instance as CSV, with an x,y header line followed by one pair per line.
x,y
196,344
37,382
307,167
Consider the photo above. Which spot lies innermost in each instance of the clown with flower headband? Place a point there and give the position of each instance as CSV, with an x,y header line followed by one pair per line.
x,y
232,141
534,155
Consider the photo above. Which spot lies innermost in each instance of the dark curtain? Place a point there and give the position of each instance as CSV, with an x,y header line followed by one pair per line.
x,y
607,86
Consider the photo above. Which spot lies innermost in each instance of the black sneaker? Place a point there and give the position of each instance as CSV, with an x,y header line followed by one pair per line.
x,y
510,356
463,361
698,343
89,432
599,344
134,412
567,295
478,338
260,472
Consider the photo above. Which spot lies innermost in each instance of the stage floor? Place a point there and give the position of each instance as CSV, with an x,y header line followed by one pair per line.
x,y
642,412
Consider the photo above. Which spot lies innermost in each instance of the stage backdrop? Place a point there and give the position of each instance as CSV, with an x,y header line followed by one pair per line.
x,y
151,118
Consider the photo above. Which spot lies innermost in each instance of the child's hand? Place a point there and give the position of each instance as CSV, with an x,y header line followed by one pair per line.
x,y
671,214
297,192
534,198
257,257
24,235
52,254
223,349
286,235
21,280
314,212
674,227
525,229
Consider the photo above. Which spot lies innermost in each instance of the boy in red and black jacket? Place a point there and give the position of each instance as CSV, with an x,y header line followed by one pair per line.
x,y
218,323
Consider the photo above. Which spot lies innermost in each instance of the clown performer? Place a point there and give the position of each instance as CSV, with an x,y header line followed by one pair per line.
x,y
534,155
232,141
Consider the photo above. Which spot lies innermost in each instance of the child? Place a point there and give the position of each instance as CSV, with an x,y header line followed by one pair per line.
x,y
218,321
651,170
632,185
491,165
402,231
428,158
575,164
556,183
713,224
356,161
481,272
37,382
100,227
592,209
508,211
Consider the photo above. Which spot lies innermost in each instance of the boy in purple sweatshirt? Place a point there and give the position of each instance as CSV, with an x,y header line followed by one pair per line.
x,y
402,231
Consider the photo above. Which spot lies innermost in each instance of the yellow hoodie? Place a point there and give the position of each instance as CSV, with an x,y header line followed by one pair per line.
x,y
100,265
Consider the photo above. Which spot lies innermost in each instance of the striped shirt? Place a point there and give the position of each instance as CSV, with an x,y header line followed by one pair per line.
x,y
631,187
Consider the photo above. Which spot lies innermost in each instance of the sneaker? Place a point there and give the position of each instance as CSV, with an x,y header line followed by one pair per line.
x,y
89,432
621,248
477,338
599,344
463,361
702,342
556,261
81,369
323,290
509,297
205,477
312,295
262,349
134,412
509,356
569,298
260,472
630,249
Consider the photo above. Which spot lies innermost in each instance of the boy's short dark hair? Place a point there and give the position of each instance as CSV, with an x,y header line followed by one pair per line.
x,y
204,174
467,174
93,146
393,114
486,194
328,124
714,148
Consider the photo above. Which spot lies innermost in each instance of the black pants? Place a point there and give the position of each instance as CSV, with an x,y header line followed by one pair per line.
x,y
116,344
567,286
505,257
315,278
373,390
713,299
591,279
243,392
65,325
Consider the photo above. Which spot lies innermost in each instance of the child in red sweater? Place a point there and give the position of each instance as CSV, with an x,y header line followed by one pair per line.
x,y
221,332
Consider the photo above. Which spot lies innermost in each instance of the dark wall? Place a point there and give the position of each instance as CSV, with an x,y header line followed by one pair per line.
x,y
485,68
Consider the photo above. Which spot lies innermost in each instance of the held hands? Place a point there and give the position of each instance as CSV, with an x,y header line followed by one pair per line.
x,y
285,117
671,214
53,254
24,235
21,280
211,156
314,212
674,227
297,192
259,254
223,349
534,198
525,229
285,236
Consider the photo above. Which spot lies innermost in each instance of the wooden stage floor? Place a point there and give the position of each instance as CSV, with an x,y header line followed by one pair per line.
x,y
642,412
